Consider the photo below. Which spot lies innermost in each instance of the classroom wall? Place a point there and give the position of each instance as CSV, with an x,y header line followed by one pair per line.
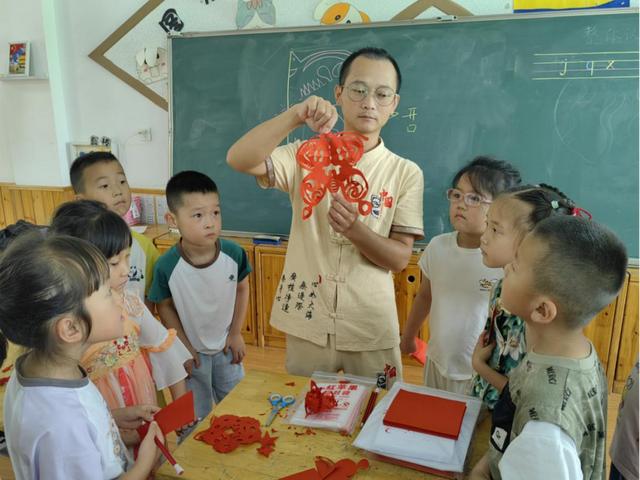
x,y
39,118
80,99
26,117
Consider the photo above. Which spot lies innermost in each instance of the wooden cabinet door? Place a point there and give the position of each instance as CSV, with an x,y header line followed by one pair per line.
x,y
250,328
627,354
604,332
269,267
406,284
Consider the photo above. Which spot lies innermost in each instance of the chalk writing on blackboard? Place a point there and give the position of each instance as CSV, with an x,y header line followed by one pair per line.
x,y
585,65
313,72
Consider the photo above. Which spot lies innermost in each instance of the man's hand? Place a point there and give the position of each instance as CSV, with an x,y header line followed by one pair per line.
x,y
342,214
319,114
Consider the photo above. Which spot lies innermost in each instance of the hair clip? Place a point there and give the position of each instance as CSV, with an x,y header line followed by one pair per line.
x,y
580,212
555,205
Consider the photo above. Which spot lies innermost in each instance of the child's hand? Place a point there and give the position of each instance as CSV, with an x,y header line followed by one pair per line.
x,y
319,114
133,417
407,344
129,437
482,352
235,342
342,214
148,453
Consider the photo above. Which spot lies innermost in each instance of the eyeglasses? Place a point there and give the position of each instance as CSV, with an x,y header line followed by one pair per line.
x,y
358,91
470,199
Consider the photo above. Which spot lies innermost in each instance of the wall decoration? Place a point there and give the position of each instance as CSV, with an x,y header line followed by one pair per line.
x,y
171,21
151,64
524,6
19,53
255,14
329,12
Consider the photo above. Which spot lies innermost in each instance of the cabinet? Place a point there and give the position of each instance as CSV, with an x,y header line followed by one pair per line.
x,y
627,353
269,267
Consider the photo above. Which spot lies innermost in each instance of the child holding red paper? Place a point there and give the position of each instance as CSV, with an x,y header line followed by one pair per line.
x,y
56,302
148,357
455,288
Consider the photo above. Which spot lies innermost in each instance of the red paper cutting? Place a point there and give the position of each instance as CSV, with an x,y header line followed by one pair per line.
x,y
228,432
330,160
174,416
328,470
426,414
318,400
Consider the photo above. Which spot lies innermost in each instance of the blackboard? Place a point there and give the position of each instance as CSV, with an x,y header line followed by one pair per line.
x,y
556,96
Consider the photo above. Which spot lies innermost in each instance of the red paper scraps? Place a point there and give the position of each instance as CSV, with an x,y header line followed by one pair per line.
x,y
4,380
174,416
290,384
7,368
228,432
307,431
267,444
318,400
330,160
328,470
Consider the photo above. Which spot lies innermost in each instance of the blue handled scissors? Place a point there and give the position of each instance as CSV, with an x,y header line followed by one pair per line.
x,y
278,402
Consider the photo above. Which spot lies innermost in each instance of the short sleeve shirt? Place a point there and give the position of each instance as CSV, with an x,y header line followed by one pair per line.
x,y
204,296
61,429
144,255
327,285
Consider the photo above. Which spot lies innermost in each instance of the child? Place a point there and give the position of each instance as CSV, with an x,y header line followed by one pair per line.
x,y
120,368
502,344
99,176
56,302
624,447
550,420
201,286
336,301
455,286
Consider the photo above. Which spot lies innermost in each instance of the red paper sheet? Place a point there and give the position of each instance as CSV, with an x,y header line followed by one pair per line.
x,y
426,414
421,352
174,416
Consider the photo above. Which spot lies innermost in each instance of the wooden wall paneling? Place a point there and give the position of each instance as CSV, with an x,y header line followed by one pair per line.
x,y
27,205
269,266
249,330
7,205
16,201
627,354
604,332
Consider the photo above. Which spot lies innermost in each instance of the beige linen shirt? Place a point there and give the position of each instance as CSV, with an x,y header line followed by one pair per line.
x,y
327,286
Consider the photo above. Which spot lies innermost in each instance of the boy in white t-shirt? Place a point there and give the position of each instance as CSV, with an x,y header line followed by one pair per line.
x,y
201,287
99,176
456,284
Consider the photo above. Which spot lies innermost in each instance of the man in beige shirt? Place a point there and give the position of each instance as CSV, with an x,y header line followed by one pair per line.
x,y
336,300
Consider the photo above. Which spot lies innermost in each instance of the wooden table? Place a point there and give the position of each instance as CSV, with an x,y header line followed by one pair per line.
x,y
292,453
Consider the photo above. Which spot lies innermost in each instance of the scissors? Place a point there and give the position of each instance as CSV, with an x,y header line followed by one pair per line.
x,y
278,402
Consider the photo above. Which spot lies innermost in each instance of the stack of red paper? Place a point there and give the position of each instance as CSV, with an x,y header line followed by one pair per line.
x,y
424,413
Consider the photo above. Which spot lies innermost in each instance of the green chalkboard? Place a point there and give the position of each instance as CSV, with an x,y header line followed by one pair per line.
x,y
557,96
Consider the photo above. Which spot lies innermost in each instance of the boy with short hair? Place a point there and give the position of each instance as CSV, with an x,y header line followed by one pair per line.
x,y
99,176
336,300
550,420
201,287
